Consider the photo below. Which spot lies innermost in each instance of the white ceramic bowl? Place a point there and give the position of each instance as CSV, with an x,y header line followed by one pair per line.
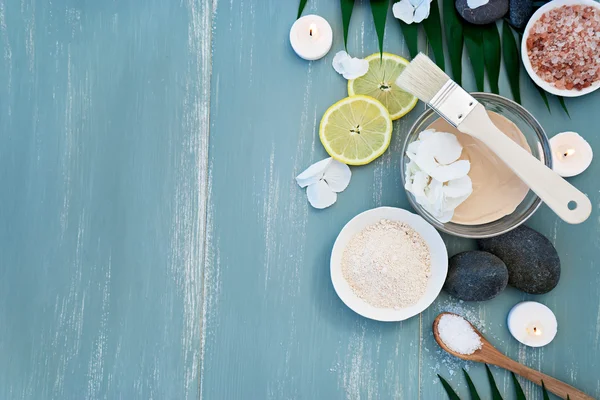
x,y
439,263
527,63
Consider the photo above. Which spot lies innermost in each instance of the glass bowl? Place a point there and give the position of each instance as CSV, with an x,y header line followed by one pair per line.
x,y
540,148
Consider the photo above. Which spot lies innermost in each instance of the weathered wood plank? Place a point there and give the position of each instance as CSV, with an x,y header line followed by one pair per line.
x,y
103,152
274,326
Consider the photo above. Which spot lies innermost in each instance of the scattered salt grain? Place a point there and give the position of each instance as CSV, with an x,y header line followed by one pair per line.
x,y
458,334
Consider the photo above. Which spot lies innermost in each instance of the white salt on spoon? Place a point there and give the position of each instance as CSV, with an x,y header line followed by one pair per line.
x,y
458,334
460,338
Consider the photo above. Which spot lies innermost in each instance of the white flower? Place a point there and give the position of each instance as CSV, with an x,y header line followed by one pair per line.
x,y
323,181
435,175
349,67
437,154
411,11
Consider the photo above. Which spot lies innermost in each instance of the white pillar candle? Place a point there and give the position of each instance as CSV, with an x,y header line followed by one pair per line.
x,y
571,154
532,324
311,37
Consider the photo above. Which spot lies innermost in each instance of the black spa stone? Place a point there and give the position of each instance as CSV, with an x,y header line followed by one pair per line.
x,y
532,261
490,12
476,276
519,12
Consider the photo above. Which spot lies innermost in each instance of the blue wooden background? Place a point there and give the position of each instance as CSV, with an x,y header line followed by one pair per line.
x,y
154,244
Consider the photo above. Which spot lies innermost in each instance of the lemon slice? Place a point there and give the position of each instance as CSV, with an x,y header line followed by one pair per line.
x,y
380,83
356,130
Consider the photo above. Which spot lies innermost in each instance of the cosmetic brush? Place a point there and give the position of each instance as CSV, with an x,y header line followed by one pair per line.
x,y
423,79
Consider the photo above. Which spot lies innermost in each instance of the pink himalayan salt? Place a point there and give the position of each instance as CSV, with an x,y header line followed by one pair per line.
x,y
564,47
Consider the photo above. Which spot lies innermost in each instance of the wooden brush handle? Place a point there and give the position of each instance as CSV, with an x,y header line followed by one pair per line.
x,y
555,386
556,192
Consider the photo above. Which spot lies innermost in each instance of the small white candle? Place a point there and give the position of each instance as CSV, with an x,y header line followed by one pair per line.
x,y
311,37
532,324
571,154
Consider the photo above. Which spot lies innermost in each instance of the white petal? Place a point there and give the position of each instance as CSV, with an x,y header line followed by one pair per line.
x,y
425,157
450,204
409,172
356,68
338,61
459,187
476,3
440,144
445,173
422,11
434,209
424,202
435,193
404,11
411,168
337,175
349,67
456,192
420,181
447,148
445,216
413,148
426,134
320,195
314,173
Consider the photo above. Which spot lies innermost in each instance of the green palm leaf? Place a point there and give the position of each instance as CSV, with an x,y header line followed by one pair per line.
x,y
379,8
561,100
545,392
347,7
451,393
518,389
495,392
411,37
454,39
544,96
492,53
433,29
474,45
301,7
472,390
512,61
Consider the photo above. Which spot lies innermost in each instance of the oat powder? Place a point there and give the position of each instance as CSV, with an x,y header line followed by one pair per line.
x,y
387,264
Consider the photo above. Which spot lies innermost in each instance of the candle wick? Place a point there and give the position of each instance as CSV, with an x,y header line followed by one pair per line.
x,y
568,153
310,33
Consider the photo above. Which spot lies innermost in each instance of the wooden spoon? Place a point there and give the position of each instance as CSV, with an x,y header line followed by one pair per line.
x,y
488,354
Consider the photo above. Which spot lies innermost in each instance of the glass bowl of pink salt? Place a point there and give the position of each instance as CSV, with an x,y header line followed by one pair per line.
x,y
561,47
499,201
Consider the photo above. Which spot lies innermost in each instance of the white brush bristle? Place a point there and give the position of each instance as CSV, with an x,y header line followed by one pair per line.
x,y
422,78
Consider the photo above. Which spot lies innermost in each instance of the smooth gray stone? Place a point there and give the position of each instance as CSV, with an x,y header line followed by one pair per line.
x,y
532,261
520,12
492,11
476,276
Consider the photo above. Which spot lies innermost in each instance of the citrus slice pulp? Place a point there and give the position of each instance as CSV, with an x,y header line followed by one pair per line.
x,y
380,83
356,130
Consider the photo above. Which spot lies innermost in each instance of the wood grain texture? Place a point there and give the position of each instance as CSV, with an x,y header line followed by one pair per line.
x,y
274,327
103,150
140,261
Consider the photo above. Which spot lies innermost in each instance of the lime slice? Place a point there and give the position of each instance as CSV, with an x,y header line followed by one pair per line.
x,y
380,83
356,130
